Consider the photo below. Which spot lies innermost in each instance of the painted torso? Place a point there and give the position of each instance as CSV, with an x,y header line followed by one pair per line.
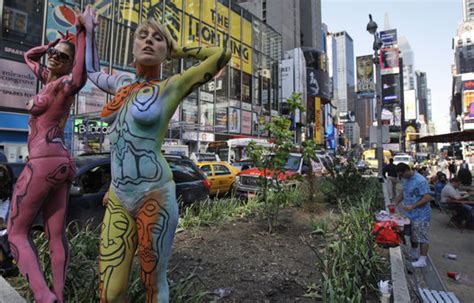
x,y
48,117
137,163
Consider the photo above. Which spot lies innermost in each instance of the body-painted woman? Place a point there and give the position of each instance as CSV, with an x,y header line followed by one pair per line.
x,y
142,212
43,185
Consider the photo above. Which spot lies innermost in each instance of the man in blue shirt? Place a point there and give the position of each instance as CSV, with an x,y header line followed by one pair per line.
x,y
416,202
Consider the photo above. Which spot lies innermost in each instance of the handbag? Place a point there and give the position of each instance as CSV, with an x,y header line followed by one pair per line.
x,y
387,234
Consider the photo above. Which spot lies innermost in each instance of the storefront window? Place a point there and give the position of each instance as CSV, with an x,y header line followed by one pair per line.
x,y
190,112
206,118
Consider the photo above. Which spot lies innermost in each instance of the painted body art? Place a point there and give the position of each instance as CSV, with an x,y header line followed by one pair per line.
x,y
142,210
44,183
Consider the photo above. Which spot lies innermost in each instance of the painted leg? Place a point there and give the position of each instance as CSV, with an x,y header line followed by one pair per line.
x,y
54,214
118,244
156,225
30,191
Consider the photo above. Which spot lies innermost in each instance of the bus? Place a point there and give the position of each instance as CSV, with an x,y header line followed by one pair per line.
x,y
234,149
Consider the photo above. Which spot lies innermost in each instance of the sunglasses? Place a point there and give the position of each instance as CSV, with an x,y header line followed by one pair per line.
x,y
63,57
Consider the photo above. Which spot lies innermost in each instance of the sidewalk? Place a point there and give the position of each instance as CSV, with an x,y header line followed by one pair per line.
x,y
450,240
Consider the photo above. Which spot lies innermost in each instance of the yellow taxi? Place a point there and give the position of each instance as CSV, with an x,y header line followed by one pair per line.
x,y
221,175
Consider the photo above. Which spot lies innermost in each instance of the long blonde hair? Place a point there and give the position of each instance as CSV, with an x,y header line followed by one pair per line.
x,y
157,27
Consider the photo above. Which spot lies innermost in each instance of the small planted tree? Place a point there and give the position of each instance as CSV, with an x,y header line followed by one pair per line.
x,y
272,161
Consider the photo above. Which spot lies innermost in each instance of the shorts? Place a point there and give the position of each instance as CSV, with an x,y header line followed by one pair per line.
x,y
419,231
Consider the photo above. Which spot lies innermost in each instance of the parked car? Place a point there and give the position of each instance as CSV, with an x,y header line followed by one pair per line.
x,y
243,164
248,182
93,180
220,174
201,157
403,158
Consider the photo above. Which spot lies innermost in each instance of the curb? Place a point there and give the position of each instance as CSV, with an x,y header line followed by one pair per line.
x,y
401,292
8,294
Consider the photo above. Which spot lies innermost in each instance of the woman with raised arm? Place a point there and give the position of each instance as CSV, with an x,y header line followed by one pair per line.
x,y
44,183
141,209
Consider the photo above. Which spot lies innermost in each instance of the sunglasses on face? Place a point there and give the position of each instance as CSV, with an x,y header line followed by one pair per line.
x,y
63,57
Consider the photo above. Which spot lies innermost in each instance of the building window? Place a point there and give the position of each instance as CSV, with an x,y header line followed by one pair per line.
x,y
246,88
235,84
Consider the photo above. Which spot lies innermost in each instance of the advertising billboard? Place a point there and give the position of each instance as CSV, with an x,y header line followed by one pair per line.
x,y
391,88
468,101
246,122
221,119
21,21
17,84
389,61
220,26
287,85
389,37
234,120
365,75
410,105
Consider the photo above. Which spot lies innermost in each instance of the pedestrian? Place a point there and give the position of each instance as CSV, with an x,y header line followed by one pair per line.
x,y
464,174
44,182
416,203
452,169
440,184
141,211
390,172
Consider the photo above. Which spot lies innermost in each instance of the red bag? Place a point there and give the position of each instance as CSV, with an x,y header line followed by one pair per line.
x,y
387,233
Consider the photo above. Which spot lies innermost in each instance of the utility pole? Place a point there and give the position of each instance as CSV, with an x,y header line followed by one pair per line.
x,y
372,29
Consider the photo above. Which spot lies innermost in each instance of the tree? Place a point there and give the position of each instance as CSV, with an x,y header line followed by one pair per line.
x,y
271,161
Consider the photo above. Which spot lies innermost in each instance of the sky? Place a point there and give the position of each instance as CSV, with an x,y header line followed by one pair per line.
x,y
429,26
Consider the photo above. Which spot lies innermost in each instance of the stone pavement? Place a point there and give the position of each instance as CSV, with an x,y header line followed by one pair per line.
x,y
451,240
8,294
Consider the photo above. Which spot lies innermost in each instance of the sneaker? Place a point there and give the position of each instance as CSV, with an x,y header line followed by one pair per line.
x,y
419,263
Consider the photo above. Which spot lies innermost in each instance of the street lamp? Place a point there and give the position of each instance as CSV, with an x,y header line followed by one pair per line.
x,y
372,29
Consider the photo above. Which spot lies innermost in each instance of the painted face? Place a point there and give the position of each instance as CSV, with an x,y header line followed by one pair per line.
x,y
60,59
149,47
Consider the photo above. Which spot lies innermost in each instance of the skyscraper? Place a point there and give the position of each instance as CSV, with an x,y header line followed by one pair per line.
x,y
408,63
364,112
422,90
298,21
468,10
344,84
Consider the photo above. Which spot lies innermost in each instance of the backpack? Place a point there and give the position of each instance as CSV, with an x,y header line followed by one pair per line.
x,y
387,234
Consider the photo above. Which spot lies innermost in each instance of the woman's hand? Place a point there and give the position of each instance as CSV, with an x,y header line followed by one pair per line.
x,y
174,48
88,18
105,199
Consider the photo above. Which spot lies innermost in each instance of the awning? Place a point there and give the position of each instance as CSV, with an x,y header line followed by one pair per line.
x,y
466,135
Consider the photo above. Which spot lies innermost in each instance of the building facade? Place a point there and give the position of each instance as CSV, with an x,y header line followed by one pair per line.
x,y
364,113
248,90
344,83
408,63
422,92
468,10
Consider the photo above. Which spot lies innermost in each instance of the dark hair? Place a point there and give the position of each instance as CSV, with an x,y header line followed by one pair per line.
x,y
391,160
72,47
402,167
455,180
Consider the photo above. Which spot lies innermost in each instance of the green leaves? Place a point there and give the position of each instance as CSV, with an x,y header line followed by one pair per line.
x,y
350,263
